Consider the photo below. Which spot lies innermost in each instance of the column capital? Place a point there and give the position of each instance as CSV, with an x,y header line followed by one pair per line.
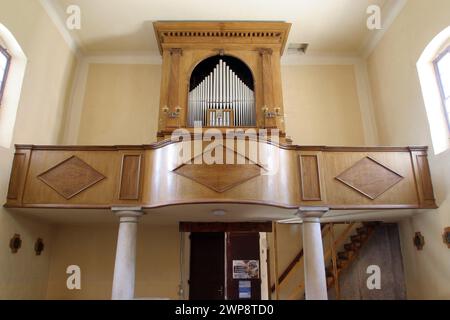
x,y
128,214
177,51
265,51
312,214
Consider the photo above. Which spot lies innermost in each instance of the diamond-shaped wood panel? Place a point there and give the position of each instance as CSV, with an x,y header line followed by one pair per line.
x,y
221,177
370,178
71,177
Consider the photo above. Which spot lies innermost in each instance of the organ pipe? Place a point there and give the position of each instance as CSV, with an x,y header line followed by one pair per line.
x,y
223,99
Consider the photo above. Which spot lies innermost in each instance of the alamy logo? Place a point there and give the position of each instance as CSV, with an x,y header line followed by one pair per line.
x,y
207,147
74,280
73,21
374,280
374,19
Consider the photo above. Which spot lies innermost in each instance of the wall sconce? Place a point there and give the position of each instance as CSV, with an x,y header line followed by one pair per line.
x,y
172,115
39,246
273,114
446,236
419,241
15,243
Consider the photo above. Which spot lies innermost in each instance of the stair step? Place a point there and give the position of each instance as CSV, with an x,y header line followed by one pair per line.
x,y
343,255
341,263
370,224
349,247
362,230
329,272
330,280
358,245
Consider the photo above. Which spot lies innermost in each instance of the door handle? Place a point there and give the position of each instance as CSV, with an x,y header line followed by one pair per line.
x,y
220,291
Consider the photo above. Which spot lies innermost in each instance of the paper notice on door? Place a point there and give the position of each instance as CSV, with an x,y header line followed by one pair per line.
x,y
245,269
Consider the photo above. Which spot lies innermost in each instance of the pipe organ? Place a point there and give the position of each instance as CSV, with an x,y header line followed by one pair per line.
x,y
222,99
221,74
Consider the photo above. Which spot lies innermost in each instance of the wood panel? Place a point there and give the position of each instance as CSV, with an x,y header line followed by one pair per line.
x,y
243,246
424,171
226,227
344,196
310,177
207,252
17,172
101,194
370,177
280,188
145,175
173,91
213,33
130,177
423,178
71,177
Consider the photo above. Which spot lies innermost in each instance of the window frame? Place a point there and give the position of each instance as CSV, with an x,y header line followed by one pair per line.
x,y
441,85
4,52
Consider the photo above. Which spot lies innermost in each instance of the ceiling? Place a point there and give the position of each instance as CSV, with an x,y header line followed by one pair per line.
x,y
331,27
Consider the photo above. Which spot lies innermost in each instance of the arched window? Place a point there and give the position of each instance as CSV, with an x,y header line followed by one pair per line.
x,y
5,61
442,67
433,68
12,71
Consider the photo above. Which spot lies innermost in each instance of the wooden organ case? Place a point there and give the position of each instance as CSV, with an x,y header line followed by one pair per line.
x,y
223,93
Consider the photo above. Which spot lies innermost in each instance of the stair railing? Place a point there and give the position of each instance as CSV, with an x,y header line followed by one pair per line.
x,y
329,253
296,262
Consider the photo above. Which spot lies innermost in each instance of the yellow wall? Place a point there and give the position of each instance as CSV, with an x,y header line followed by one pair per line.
x,y
321,105
402,120
289,244
49,68
121,104
93,248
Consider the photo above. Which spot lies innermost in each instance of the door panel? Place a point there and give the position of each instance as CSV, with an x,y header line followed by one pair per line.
x,y
207,266
242,247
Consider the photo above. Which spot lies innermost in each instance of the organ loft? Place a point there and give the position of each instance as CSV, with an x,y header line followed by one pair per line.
x,y
226,76
221,74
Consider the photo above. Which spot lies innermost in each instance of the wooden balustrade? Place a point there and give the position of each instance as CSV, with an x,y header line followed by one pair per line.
x,y
153,176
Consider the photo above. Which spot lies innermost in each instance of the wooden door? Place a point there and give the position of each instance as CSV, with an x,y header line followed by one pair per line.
x,y
207,266
243,247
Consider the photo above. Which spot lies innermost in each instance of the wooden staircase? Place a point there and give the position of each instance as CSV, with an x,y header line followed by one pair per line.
x,y
345,258
340,261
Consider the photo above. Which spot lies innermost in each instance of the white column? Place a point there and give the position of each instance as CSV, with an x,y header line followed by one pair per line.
x,y
125,265
315,278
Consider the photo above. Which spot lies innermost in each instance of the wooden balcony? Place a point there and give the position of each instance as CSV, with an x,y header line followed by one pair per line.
x,y
154,176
